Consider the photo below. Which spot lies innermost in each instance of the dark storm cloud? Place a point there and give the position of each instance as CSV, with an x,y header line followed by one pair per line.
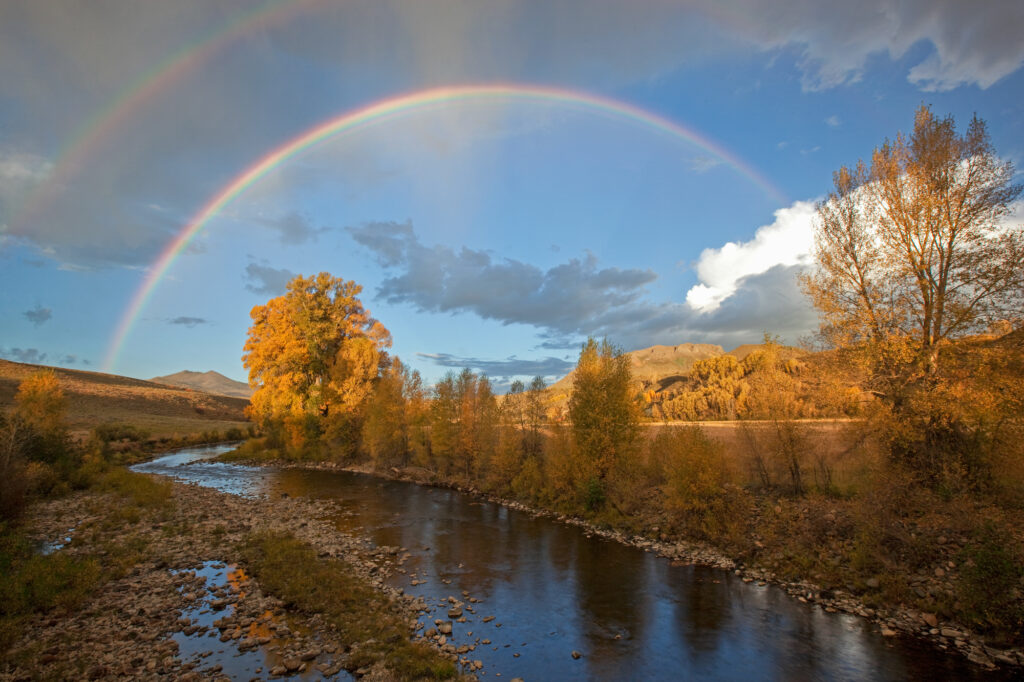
x,y
99,211
38,315
263,279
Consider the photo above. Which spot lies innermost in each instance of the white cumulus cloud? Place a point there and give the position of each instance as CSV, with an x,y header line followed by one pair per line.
x,y
787,241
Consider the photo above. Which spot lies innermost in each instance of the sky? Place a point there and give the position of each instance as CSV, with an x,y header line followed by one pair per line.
x,y
503,178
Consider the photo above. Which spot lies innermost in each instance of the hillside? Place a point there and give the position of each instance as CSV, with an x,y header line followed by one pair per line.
x,y
662,366
95,398
207,382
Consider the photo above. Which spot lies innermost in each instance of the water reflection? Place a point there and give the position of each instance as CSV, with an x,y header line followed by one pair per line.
x,y
552,590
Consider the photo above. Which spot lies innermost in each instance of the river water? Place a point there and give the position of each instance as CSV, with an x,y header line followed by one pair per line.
x,y
552,589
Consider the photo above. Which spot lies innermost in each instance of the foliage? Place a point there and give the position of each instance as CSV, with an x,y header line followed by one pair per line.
x,y
291,570
392,411
315,351
913,248
697,481
990,580
464,418
34,583
604,416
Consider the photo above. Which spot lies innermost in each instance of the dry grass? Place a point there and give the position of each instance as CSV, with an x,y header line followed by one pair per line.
x,y
94,398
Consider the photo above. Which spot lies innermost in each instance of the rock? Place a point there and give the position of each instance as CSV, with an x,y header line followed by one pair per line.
x,y
278,671
445,627
886,632
454,612
872,583
949,633
939,573
576,655
930,619
292,664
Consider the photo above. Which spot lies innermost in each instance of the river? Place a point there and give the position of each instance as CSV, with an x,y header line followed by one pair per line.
x,y
554,589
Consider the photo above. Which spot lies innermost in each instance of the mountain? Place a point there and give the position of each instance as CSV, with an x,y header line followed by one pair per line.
x,y
207,382
661,366
95,398
657,363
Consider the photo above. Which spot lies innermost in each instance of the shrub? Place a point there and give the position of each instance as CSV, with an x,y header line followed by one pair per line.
x,y
697,483
990,581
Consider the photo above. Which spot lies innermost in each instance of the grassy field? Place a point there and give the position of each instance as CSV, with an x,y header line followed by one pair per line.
x,y
94,398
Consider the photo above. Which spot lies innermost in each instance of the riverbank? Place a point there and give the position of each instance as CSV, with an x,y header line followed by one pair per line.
x,y
776,520
174,598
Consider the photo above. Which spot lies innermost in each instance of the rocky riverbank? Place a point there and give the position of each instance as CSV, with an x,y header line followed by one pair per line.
x,y
179,606
892,620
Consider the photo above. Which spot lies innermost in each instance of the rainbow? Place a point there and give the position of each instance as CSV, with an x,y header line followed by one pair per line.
x,y
103,126
388,109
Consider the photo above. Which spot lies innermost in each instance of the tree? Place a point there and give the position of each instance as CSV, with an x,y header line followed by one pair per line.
x,y
464,416
313,352
605,418
915,249
40,407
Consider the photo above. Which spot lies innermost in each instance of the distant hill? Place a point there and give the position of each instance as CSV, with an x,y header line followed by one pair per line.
x,y
660,367
94,398
657,363
208,382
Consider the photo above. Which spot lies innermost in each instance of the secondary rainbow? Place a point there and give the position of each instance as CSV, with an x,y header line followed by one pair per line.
x,y
103,127
387,109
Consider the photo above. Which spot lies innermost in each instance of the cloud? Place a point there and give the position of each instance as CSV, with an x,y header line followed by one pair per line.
x,y
188,321
441,279
746,289
264,279
294,228
38,315
32,356
509,367
970,43
702,164
833,121
787,241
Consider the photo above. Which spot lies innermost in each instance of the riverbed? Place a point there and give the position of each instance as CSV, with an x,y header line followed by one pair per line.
x,y
538,599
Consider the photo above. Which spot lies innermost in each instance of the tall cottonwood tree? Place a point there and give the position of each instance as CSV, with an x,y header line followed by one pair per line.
x,y
605,418
315,351
915,247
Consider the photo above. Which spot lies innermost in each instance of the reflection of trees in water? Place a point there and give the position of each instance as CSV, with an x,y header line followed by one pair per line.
x,y
611,588
703,608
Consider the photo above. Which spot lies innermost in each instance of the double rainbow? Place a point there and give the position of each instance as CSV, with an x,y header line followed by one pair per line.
x,y
388,109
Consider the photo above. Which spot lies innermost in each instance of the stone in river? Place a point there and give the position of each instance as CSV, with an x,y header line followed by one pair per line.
x,y
576,655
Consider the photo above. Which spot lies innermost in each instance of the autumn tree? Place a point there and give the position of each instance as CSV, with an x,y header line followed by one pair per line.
x,y
915,248
605,418
391,415
41,407
464,417
314,352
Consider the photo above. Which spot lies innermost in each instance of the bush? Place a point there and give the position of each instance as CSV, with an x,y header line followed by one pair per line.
x,y
113,432
990,581
698,490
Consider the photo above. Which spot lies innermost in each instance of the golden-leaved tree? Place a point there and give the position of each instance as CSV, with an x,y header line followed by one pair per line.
x,y
913,251
605,418
314,352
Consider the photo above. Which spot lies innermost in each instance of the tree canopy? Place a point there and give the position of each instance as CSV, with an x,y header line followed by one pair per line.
x,y
313,351
916,245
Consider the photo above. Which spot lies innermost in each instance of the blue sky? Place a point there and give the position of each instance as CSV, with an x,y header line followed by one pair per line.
x,y
492,234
